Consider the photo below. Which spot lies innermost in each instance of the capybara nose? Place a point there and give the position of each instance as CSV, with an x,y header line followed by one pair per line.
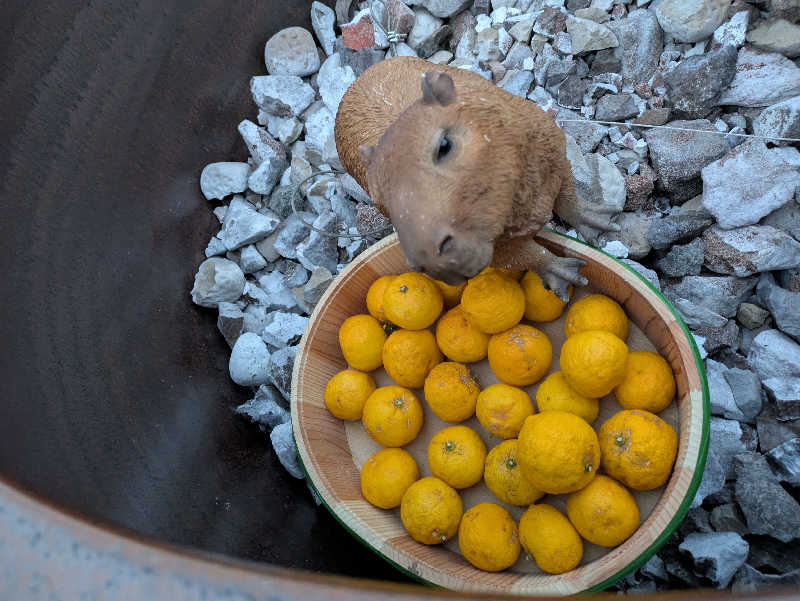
x,y
446,244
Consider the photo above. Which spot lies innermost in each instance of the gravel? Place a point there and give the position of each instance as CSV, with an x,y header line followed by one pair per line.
x,y
249,361
219,180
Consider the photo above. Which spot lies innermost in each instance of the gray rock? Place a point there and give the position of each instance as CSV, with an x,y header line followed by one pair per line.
x,y
750,580
773,433
281,95
250,260
353,189
774,355
785,461
317,285
781,120
516,57
244,225
255,318
266,247
286,450
291,51
749,250
517,82
716,555
263,148
294,274
285,129
789,279
778,35
784,391
550,22
735,197
323,20
215,247
654,569
358,60
722,295
694,86
487,45
279,369
442,57
277,296
588,36
696,520
720,393
648,274
615,107
218,180
728,439
728,518
586,134
320,250
683,260
713,479
607,61
265,408
283,329
746,389
691,20
230,322
249,361
217,281
762,79
266,175
633,233
679,156
333,80
676,227
319,133
280,201
425,25
733,31
522,30
784,305
787,218
766,506
751,316
442,8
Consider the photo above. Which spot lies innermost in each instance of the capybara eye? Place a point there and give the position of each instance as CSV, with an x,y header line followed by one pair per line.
x,y
445,146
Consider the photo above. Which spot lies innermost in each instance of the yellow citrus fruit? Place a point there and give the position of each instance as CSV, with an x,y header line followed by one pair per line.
x,y
520,355
361,339
596,312
493,303
541,304
409,355
392,416
451,392
504,478
513,274
548,536
412,301
451,294
430,511
558,452
593,362
346,393
488,537
638,448
375,297
648,384
554,394
456,455
458,339
386,476
604,513
502,409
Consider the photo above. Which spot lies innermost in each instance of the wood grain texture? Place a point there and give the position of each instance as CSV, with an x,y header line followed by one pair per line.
x,y
333,469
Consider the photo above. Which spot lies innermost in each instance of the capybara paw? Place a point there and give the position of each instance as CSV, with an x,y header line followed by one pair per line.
x,y
563,272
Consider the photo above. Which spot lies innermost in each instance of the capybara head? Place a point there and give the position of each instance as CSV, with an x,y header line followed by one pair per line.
x,y
447,187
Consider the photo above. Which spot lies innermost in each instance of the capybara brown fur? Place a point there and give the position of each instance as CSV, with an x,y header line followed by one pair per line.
x,y
467,172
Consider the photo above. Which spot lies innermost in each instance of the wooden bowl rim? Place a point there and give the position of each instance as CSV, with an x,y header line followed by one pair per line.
x,y
566,241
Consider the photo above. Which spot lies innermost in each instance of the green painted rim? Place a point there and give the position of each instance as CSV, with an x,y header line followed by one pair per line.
x,y
682,509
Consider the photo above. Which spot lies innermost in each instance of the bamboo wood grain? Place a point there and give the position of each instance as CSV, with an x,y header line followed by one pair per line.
x,y
324,450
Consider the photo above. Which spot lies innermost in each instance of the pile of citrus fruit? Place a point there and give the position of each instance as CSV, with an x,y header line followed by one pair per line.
x,y
552,451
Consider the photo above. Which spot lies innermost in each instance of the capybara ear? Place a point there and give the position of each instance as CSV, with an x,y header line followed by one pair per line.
x,y
367,153
437,87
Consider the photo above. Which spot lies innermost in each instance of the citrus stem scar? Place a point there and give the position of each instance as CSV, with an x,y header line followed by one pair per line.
x,y
589,467
403,288
449,445
511,464
620,440
398,402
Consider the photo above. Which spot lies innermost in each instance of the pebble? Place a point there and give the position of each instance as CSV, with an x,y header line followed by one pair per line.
x,y
425,25
230,322
286,450
774,355
291,51
720,294
218,280
263,148
281,95
319,133
785,461
588,36
320,250
784,391
746,388
616,107
720,393
780,120
265,408
729,439
250,260
683,260
762,79
766,506
283,329
777,35
317,285
278,297
713,478
679,156
749,250
285,129
716,555
751,316
219,180
694,86
323,20
783,304
279,369
691,20
517,82
733,31
333,80
641,41
244,225
735,198
249,361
